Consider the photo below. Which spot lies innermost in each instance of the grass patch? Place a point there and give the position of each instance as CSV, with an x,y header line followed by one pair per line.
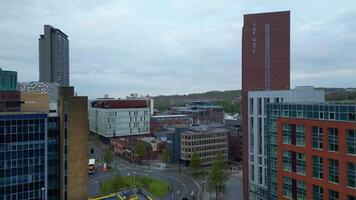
x,y
155,187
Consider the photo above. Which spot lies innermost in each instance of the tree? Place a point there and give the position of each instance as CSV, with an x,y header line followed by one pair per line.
x,y
108,155
165,156
195,163
218,174
141,150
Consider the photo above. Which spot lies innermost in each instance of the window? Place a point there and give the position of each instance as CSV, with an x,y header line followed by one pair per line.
x,y
333,171
349,197
317,167
259,129
252,173
301,190
287,134
351,141
333,139
333,195
251,106
318,193
351,175
287,187
331,115
252,142
300,163
260,175
259,105
317,137
265,102
287,160
300,136
251,124
321,115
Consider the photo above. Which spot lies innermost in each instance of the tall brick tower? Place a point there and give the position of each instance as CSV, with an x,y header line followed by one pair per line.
x,y
265,64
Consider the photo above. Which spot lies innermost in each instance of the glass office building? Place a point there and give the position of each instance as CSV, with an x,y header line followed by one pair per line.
x,y
311,151
23,156
53,158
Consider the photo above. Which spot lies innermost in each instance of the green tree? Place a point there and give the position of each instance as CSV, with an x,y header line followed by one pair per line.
x,y
165,155
195,163
108,155
218,174
141,150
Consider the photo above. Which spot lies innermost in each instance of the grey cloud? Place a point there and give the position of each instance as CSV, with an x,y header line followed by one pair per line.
x,y
169,47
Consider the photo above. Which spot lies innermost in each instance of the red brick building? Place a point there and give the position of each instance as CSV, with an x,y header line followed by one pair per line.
x,y
265,63
324,168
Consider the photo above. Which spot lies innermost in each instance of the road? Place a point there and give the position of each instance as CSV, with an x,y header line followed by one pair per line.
x,y
233,187
182,185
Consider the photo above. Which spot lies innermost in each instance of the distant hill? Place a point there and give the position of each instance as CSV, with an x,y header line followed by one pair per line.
x,y
231,99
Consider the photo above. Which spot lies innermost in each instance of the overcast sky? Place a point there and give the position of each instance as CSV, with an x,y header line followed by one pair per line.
x,y
156,47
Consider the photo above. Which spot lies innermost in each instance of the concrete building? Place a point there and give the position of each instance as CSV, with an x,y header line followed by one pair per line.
x,y
265,64
201,112
311,151
257,118
208,142
54,56
134,96
116,118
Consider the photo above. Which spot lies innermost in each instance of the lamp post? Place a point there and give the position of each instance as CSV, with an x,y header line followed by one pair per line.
x,y
135,183
171,188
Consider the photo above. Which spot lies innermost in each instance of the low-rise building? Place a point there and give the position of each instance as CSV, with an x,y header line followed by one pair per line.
x,y
208,142
201,112
160,122
115,118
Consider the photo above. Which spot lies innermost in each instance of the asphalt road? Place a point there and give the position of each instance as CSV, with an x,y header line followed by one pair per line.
x,y
182,185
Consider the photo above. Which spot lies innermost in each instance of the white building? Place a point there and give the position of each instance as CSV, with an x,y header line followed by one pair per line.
x,y
256,130
115,118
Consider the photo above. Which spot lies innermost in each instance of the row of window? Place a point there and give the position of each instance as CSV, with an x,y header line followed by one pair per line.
x,y
318,192
201,142
318,163
204,149
189,137
259,104
260,174
317,137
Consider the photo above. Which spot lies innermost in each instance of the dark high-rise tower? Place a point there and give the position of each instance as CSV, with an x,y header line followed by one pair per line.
x,y
265,64
54,56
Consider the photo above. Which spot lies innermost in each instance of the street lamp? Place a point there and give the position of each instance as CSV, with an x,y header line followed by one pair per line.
x,y
135,183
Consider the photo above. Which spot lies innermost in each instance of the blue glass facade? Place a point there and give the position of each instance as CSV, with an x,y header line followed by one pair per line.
x,y
23,156
53,158
174,146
